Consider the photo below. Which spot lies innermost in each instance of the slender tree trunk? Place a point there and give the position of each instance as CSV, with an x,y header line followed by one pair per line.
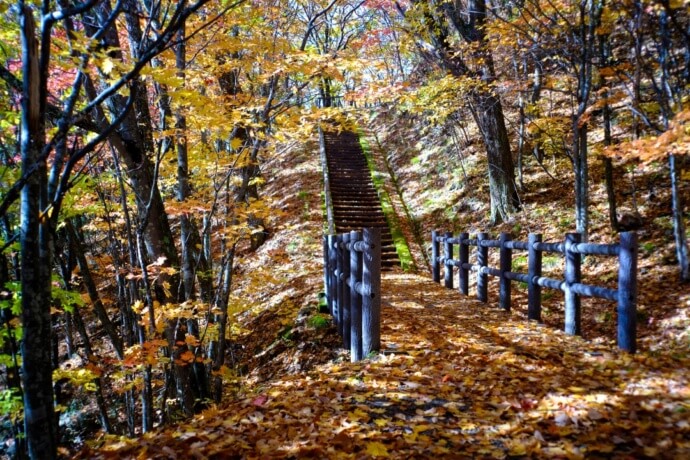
x,y
580,157
605,56
666,97
590,13
39,416
219,347
100,400
678,221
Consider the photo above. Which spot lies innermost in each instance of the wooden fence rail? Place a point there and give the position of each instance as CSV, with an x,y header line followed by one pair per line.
x,y
352,278
572,248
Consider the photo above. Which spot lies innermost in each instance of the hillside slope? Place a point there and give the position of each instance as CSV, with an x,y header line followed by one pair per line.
x,y
456,379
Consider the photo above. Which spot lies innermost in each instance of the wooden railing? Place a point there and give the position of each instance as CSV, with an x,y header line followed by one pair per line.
x,y
352,278
573,250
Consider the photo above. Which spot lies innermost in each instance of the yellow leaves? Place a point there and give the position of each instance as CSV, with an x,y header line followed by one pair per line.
x,y
377,449
440,98
236,143
164,75
187,357
138,307
107,66
80,377
575,389
358,415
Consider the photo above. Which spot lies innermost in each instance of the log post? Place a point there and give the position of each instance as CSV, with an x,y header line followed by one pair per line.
x,y
533,273
627,292
371,303
325,272
573,274
464,256
505,265
339,288
347,307
355,300
332,304
447,257
435,266
482,262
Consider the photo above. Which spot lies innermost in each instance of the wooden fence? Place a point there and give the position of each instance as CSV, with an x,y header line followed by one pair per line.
x,y
352,279
573,250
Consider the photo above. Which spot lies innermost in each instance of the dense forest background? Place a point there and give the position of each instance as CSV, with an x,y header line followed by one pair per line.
x,y
141,144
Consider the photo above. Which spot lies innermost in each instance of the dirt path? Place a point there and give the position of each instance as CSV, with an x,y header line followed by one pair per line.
x,y
456,379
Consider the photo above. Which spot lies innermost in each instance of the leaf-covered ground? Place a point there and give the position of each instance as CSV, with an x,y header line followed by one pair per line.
x,y
456,379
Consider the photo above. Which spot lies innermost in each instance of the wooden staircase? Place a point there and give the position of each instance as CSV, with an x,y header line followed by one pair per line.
x,y
355,202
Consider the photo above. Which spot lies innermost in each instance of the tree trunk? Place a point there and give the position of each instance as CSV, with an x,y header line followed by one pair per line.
x,y
39,416
488,113
486,105
678,221
666,98
605,56
92,290
580,161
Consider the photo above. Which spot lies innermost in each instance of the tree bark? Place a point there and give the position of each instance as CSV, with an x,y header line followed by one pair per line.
x,y
488,113
39,416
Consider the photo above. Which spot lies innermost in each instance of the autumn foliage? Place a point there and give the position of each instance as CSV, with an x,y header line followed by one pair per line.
x,y
161,221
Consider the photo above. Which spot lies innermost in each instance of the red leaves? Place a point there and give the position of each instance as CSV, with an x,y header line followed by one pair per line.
x,y
259,401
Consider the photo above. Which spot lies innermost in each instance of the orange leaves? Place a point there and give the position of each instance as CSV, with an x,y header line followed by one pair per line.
x,y
187,357
148,353
675,140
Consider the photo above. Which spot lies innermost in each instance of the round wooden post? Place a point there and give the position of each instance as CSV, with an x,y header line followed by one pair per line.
x,y
331,277
533,272
447,257
347,307
371,304
573,274
505,265
464,273
355,300
324,241
482,262
435,266
339,288
627,292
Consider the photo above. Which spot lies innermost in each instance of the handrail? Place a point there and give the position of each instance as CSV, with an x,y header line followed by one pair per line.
x,y
352,277
572,249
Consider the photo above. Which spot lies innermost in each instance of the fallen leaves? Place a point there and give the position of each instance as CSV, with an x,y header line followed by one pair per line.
x,y
462,379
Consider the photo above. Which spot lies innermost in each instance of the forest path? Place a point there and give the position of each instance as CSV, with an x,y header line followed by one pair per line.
x,y
456,379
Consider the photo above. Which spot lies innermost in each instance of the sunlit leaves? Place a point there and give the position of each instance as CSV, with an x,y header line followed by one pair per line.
x,y
440,98
82,377
675,140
